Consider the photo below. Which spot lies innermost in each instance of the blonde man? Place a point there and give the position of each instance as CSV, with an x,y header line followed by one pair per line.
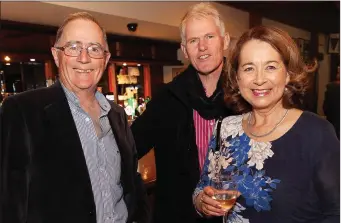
x,y
179,121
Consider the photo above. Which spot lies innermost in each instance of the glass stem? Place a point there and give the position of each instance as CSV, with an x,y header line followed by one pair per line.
x,y
225,217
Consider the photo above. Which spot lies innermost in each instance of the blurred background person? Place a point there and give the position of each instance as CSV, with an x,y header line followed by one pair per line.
x,y
285,161
180,119
331,104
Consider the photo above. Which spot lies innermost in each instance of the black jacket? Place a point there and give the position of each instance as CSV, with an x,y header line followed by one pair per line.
x,y
43,174
167,125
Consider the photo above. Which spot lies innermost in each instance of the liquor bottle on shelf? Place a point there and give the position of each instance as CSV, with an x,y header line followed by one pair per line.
x,y
2,84
3,88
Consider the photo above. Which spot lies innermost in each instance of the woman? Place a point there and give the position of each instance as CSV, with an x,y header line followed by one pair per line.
x,y
286,161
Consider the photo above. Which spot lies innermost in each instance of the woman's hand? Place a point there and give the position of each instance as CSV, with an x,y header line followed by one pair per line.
x,y
206,205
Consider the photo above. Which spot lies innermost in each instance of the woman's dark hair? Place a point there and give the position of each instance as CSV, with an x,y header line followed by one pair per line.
x,y
288,50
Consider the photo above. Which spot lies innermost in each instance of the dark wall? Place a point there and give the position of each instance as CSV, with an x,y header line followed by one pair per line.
x,y
334,63
22,39
156,73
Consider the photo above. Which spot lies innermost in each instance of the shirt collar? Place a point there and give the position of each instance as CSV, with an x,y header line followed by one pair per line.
x,y
102,101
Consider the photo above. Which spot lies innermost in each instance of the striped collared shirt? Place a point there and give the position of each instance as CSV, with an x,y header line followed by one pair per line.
x,y
102,159
203,132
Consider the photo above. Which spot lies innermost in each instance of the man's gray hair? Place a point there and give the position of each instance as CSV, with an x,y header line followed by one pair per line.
x,y
198,11
83,16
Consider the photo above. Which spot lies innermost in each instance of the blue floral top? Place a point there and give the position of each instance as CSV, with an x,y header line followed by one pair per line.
x,y
299,183
243,158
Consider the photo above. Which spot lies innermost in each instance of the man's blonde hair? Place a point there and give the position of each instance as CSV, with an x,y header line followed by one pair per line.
x,y
199,11
83,16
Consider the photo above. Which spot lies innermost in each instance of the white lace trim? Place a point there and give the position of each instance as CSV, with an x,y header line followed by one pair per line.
x,y
231,126
259,151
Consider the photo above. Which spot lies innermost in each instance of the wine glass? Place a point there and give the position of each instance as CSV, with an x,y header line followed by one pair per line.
x,y
226,192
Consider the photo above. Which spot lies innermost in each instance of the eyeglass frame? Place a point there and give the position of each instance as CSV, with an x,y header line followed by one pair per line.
x,y
62,48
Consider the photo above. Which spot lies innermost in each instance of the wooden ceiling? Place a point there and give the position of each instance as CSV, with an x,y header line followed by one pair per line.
x,y
35,40
312,16
23,41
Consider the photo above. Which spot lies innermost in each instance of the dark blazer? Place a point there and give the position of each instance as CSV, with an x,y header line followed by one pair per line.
x,y
44,177
168,126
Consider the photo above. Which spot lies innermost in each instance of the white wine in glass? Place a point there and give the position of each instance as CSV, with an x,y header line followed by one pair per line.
x,y
226,198
226,193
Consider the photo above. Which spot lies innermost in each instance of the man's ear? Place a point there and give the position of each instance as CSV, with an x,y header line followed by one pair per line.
x,y
107,58
226,41
55,56
183,48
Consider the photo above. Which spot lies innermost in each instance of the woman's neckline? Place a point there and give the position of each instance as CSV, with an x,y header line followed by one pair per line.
x,y
276,139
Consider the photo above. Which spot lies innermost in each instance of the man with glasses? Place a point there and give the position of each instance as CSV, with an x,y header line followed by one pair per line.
x,y
67,154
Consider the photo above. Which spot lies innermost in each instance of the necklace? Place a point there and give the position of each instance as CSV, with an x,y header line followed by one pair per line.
x,y
268,133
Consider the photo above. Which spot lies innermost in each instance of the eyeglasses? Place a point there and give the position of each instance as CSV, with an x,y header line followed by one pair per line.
x,y
95,51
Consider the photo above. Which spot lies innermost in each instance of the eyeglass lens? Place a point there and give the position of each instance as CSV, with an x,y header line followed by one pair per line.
x,y
75,49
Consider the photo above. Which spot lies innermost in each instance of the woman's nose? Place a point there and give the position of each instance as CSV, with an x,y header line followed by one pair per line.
x,y
259,78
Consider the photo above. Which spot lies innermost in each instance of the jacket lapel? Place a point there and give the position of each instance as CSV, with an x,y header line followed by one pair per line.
x,y
58,118
59,122
118,126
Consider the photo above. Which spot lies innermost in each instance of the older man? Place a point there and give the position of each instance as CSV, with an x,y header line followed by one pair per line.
x,y
67,154
179,121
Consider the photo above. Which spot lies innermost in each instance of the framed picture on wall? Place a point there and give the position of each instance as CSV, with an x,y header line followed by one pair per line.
x,y
334,43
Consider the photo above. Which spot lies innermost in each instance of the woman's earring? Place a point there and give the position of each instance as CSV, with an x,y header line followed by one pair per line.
x,y
285,89
238,92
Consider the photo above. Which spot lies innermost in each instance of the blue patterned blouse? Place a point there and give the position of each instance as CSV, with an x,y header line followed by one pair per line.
x,y
259,173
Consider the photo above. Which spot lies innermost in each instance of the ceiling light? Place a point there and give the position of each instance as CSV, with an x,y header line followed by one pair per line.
x,y
7,58
8,64
32,59
124,64
138,64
